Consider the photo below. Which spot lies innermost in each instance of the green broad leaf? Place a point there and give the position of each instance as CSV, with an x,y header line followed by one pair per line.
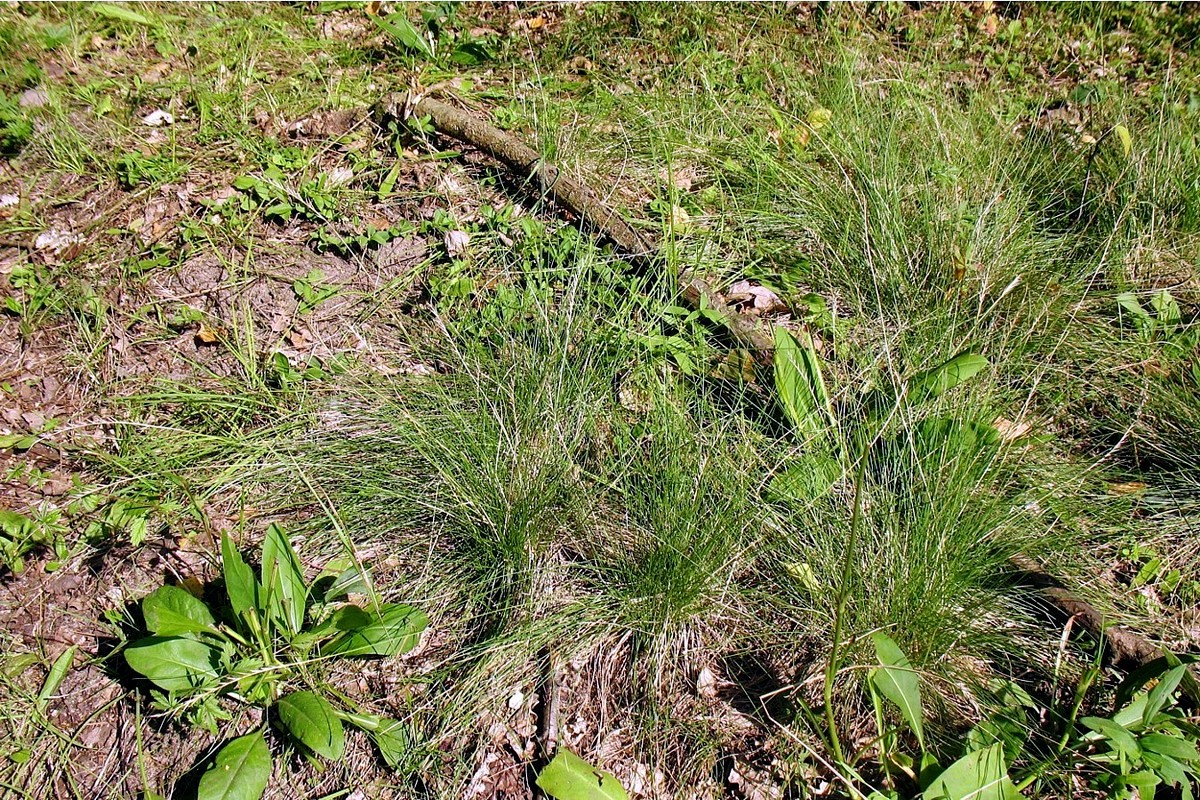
x,y
1161,694
569,777
469,54
808,477
16,526
1172,746
1145,782
396,629
281,211
344,618
172,611
935,434
1168,769
896,680
17,441
1128,302
389,182
1126,139
348,581
392,738
399,27
393,743
173,663
239,772
1166,308
58,672
121,13
800,385
1130,716
941,379
283,580
311,720
979,775
240,585
1121,739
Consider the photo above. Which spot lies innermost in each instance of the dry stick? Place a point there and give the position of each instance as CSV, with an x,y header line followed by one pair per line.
x,y
574,197
1128,649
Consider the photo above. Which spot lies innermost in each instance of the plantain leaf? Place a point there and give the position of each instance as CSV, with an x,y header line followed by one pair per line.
x,y
398,26
979,775
800,385
1117,735
896,680
1160,695
58,672
240,585
1166,308
171,611
392,737
311,720
569,777
396,629
239,772
173,663
942,379
283,580
121,13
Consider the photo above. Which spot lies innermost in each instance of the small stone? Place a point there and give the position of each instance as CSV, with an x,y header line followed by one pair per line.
x,y
158,118
456,242
56,240
34,98
339,177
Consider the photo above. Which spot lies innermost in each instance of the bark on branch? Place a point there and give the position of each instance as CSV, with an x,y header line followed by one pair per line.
x,y
576,198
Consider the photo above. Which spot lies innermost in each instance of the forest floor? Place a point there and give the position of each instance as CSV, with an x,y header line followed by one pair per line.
x,y
235,296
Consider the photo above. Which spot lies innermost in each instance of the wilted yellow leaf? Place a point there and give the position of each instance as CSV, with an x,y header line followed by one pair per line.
x,y
1126,139
1126,488
680,219
818,118
537,22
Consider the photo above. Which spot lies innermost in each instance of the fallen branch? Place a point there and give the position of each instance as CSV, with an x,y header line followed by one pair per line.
x,y
576,198
1126,648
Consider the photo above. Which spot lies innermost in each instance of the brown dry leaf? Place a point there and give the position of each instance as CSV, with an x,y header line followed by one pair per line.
x,y
208,334
1010,430
298,339
192,585
989,25
1126,488
760,299
536,23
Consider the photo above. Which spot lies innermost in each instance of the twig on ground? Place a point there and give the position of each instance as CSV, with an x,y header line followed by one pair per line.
x,y
576,198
